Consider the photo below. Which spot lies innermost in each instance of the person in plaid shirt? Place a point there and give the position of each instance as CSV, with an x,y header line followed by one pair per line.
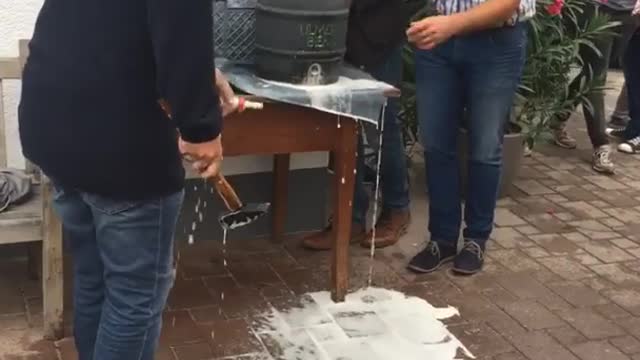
x,y
468,64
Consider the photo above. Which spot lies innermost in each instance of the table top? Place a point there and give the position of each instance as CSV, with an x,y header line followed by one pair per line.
x,y
355,95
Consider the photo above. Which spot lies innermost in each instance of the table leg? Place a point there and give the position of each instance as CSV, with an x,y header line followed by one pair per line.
x,y
52,269
280,196
344,165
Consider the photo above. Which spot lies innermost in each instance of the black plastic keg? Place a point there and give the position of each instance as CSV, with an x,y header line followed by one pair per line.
x,y
300,42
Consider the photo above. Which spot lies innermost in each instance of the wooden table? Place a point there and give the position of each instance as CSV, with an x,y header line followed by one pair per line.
x,y
281,129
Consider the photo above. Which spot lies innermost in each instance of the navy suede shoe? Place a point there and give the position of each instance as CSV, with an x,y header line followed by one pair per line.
x,y
431,258
470,259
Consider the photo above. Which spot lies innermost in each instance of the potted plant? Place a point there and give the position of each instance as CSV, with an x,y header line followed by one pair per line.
x,y
553,61
554,39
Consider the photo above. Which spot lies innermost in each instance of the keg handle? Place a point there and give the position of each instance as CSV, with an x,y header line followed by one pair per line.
x,y
314,74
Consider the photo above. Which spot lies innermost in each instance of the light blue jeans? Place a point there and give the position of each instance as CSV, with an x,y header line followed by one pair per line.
x,y
123,271
478,72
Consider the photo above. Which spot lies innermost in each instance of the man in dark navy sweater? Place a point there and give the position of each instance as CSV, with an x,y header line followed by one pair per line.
x,y
89,117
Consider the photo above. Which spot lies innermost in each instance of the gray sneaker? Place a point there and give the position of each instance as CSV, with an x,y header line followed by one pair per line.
x,y
563,139
602,160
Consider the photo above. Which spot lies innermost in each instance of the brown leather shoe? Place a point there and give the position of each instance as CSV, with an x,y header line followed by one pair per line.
x,y
391,226
322,240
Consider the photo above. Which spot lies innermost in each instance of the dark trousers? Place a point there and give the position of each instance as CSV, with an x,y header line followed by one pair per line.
x,y
393,164
596,66
621,112
632,77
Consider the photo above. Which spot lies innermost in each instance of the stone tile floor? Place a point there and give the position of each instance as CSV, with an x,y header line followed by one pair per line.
x,y
562,278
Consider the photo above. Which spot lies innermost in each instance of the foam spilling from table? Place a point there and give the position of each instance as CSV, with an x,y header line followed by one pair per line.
x,y
372,324
356,94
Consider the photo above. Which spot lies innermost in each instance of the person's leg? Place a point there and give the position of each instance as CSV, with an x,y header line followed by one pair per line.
x,y
620,116
135,240
394,177
395,183
595,67
632,75
88,283
360,194
439,97
599,64
559,122
393,165
595,116
323,240
491,81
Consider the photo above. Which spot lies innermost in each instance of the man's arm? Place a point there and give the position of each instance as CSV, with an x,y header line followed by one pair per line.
x,y
434,30
486,15
182,36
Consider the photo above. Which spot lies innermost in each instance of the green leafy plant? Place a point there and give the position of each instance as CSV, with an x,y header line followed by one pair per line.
x,y
553,60
554,40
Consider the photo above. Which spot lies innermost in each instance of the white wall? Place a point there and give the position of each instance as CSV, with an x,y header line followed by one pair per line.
x,y
17,18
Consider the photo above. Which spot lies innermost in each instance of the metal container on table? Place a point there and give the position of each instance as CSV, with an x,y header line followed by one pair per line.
x,y
234,29
300,42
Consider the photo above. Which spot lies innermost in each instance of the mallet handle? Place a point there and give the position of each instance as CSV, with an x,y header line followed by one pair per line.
x,y
226,192
224,189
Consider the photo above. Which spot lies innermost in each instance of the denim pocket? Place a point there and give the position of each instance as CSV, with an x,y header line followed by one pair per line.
x,y
509,37
109,206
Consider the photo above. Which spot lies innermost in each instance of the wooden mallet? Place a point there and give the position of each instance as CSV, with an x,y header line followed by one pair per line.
x,y
238,213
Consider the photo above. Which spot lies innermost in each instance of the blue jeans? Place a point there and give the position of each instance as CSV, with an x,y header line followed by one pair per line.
x,y
123,271
393,167
632,78
478,73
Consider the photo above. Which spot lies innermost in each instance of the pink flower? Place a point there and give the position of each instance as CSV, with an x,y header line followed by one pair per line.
x,y
555,8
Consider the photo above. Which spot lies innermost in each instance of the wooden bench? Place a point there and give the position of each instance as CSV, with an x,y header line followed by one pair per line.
x,y
34,221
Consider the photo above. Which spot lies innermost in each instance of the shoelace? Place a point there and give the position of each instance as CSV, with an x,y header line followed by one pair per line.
x,y
617,132
604,155
474,248
635,141
563,135
434,248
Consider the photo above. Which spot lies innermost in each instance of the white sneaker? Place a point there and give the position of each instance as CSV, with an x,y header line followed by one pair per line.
x,y
631,146
602,160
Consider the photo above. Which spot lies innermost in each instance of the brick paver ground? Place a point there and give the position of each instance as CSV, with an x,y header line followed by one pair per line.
x,y
562,278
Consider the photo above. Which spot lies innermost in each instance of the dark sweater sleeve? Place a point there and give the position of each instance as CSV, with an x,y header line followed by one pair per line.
x,y
182,37
364,5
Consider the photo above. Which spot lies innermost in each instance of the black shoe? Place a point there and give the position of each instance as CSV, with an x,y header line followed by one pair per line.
x,y
470,259
619,121
631,146
616,134
431,258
